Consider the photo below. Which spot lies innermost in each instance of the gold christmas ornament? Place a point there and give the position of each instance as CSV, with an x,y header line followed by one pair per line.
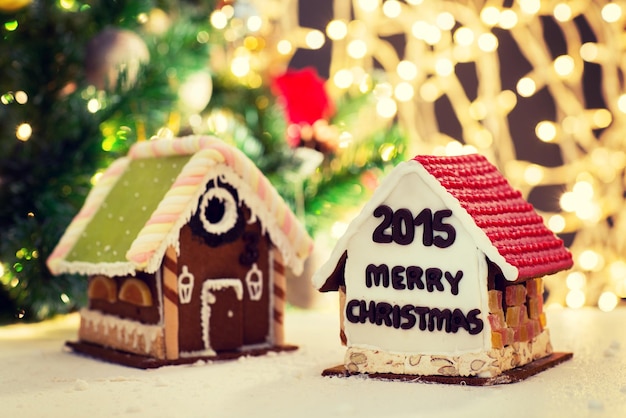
x,y
157,22
12,6
195,93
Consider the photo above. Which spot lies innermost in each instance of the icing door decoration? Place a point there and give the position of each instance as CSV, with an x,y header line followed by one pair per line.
x,y
254,282
185,286
222,314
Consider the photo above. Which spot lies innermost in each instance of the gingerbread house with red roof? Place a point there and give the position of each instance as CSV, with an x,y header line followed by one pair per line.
x,y
441,273
185,244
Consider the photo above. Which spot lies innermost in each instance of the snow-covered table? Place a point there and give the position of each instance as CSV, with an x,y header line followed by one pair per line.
x,y
38,377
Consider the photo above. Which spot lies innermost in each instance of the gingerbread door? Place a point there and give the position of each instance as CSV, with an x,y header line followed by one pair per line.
x,y
241,264
222,314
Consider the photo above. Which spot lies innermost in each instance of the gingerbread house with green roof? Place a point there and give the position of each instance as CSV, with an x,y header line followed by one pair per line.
x,y
185,244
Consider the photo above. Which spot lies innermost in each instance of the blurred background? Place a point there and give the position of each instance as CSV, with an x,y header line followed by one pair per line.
x,y
326,97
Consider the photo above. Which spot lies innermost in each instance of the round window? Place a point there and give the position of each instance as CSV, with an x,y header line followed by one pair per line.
x,y
218,211
219,218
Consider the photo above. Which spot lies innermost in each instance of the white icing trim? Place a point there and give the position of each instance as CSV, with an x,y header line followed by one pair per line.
x,y
199,353
119,268
206,299
219,284
185,289
127,331
382,192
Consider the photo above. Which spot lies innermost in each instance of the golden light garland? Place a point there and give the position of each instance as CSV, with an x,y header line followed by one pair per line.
x,y
440,35
261,37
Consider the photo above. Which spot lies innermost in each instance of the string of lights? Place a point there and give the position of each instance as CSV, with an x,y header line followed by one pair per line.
x,y
439,37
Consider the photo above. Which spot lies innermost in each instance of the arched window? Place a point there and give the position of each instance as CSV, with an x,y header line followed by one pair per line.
x,y
102,288
136,292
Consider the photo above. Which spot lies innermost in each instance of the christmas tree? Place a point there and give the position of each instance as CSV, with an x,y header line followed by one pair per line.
x,y
66,112
83,80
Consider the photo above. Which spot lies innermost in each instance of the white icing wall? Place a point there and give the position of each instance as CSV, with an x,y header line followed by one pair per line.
x,y
412,193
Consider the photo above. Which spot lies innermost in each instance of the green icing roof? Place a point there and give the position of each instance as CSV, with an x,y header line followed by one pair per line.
x,y
126,209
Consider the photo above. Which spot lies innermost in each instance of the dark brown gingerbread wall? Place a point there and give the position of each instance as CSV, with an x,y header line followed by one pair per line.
x,y
223,262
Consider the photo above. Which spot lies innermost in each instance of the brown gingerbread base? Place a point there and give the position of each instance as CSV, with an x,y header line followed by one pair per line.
x,y
509,376
143,362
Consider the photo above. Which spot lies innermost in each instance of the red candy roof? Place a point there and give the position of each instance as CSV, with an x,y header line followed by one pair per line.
x,y
509,221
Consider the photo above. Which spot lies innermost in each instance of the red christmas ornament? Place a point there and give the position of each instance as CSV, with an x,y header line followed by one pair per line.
x,y
304,97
